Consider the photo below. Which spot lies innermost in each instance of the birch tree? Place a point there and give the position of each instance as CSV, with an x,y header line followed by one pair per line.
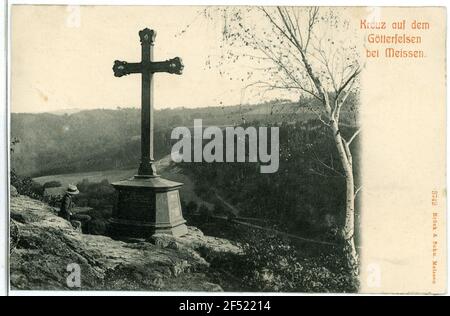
x,y
303,51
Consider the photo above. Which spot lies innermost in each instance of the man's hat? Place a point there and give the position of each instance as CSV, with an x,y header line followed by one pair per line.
x,y
72,189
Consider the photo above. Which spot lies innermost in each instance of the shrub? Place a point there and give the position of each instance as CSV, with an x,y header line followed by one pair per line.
x,y
97,227
270,263
205,213
98,195
27,186
53,200
191,208
218,208
203,189
52,184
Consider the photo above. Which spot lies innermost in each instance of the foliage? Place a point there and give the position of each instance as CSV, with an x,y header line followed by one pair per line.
x,y
97,227
205,213
270,263
23,184
110,139
53,200
84,141
219,208
99,139
98,195
190,208
302,51
14,142
302,197
52,184
26,186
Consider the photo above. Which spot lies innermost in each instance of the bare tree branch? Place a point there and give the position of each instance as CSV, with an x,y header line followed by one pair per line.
x,y
316,158
348,81
348,153
354,136
357,191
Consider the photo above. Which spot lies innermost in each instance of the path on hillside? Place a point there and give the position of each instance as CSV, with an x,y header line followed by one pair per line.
x,y
233,209
241,221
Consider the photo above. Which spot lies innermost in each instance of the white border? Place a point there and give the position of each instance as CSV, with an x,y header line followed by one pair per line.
x,y
4,121
367,3
4,137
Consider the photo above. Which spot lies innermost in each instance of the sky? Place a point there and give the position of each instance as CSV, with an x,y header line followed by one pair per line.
x,y
62,58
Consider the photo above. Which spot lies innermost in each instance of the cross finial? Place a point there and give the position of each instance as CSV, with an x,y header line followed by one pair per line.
x,y
147,36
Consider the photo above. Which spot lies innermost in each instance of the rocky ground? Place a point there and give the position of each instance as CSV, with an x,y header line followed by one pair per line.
x,y
43,245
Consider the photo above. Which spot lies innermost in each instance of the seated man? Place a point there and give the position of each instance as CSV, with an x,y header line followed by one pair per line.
x,y
67,205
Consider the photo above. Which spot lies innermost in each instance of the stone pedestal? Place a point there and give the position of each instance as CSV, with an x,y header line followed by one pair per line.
x,y
147,206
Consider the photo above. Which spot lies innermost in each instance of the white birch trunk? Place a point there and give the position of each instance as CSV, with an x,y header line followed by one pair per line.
x,y
348,231
345,157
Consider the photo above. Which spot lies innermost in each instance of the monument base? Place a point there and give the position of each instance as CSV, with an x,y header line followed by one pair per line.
x,y
147,206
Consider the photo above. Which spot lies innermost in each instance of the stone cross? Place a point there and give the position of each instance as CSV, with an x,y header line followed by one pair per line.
x,y
147,67
147,204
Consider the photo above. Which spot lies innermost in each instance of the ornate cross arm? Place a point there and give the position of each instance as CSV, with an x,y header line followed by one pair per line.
x,y
172,66
122,68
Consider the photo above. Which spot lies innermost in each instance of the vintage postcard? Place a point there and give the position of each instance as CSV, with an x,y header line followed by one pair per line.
x,y
227,148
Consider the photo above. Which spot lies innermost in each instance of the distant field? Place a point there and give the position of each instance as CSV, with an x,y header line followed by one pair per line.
x,y
163,166
94,176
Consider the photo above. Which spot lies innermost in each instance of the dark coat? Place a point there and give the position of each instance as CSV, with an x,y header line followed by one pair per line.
x,y
66,207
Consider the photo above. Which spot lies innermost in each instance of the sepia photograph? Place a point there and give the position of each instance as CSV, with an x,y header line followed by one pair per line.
x,y
242,149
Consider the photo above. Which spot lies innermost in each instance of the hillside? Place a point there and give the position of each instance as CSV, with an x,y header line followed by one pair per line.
x,y
95,140
44,244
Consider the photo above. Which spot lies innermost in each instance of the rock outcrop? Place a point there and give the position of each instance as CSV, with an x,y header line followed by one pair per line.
x,y
44,245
